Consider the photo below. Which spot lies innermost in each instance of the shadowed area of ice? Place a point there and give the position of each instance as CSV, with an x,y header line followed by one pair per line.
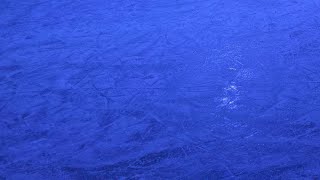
x,y
159,89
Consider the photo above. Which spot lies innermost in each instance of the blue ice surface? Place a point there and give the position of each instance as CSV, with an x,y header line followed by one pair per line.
x,y
159,89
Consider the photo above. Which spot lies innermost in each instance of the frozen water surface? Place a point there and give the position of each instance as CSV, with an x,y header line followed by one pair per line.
x,y
160,89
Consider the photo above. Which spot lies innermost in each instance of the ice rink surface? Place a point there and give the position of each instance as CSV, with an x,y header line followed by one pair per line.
x,y
159,89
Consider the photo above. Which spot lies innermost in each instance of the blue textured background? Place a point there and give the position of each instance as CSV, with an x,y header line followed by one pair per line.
x,y
159,89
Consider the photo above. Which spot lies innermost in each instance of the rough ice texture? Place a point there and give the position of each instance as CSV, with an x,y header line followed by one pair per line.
x,y
159,89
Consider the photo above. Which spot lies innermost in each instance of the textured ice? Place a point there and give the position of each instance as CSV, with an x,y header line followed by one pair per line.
x,y
159,89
